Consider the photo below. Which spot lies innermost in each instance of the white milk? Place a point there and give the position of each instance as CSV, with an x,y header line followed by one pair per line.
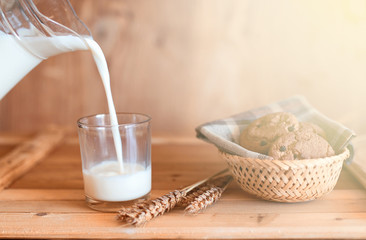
x,y
110,181
104,74
104,182
16,61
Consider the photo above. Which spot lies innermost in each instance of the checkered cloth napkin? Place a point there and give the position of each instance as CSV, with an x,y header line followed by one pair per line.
x,y
224,133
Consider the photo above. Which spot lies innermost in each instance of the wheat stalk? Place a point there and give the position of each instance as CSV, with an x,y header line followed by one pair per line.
x,y
207,196
140,213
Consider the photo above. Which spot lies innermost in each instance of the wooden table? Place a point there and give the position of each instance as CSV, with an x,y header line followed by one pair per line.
x,y
48,202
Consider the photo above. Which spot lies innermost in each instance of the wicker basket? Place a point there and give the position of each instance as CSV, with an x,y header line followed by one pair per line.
x,y
286,180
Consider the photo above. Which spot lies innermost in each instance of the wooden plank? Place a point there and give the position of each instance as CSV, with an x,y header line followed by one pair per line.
x,y
173,166
233,193
176,225
12,194
223,207
24,157
11,139
7,139
48,202
165,171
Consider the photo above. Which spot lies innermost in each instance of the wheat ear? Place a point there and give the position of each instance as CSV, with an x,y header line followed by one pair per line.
x,y
207,197
196,192
193,194
140,213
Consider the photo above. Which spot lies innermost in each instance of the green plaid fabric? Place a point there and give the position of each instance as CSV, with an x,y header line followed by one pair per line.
x,y
224,133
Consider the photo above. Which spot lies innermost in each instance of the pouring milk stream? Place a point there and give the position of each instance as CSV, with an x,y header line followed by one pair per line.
x,y
21,50
16,62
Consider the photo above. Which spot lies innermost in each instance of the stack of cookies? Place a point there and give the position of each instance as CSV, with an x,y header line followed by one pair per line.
x,y
281,136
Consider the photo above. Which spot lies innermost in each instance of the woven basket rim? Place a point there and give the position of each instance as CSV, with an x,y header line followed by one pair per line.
x,y
343,155
269,179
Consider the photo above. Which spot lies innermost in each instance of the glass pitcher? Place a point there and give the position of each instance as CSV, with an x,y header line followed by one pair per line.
x,y
34,30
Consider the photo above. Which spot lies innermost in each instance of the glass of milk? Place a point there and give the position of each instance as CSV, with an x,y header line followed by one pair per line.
x,y
113,180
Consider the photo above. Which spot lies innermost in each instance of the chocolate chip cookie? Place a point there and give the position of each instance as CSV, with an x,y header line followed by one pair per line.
x,y
300,145
311,127
262,132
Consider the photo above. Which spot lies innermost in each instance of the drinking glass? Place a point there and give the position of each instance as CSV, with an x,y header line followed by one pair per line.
x,y
112,181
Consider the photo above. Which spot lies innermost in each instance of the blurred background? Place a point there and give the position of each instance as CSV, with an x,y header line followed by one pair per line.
x,y
187,62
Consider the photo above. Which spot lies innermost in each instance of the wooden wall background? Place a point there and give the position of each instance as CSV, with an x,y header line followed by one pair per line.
x,y
185,62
